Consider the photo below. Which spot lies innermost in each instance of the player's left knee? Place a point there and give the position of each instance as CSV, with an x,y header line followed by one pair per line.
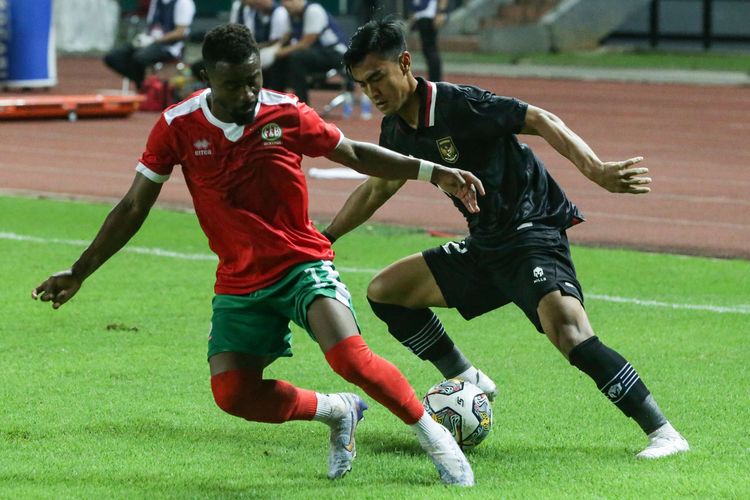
x,y
231,389
562,312
570,338
564,322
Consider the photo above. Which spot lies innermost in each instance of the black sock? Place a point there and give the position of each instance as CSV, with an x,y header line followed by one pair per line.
x,y
420,331
452,363
618,380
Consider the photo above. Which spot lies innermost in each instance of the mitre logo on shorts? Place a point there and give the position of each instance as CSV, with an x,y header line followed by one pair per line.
x,y
539,275
448,150
271,134
202,147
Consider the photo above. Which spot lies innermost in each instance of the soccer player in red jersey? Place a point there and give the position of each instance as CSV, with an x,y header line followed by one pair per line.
x,y
240,147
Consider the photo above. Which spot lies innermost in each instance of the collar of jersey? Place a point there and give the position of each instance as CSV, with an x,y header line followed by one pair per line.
x,y
232,131
427,92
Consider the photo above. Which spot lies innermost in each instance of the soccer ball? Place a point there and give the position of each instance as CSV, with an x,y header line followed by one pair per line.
x,y
462,408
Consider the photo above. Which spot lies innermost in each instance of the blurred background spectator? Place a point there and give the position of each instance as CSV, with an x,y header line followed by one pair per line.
x,y
427,17
315,45
515,34
167,26
268,21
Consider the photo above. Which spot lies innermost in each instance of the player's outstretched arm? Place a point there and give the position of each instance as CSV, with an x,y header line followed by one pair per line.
x,y
614,176
120,225
380,162
364,201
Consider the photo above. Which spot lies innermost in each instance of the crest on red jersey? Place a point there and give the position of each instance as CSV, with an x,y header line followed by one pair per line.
x,y
271,133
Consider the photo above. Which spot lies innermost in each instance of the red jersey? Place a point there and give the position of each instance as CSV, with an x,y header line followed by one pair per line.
x,y
246,182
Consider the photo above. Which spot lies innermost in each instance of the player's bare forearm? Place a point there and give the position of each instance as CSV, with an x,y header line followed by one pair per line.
x,y
119,227
121,223
373,160
364,201
566,142
380,162
616,177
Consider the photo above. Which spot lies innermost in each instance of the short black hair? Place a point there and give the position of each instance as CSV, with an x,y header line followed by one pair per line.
x,y
232,43
384,37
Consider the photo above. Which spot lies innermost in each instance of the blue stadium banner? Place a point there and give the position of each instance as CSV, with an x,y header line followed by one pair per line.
x,y
30,47
4,38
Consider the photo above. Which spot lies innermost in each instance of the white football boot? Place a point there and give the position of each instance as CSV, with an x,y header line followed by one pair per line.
x,y
445,453
343,448
663,442
479,379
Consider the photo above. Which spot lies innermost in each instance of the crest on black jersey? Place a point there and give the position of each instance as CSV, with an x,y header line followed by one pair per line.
x,y
448,150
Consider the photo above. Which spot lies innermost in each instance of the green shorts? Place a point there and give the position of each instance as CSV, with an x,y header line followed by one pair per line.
x,y
258,323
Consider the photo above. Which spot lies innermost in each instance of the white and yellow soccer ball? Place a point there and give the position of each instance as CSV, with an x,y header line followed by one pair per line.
x,y
462,408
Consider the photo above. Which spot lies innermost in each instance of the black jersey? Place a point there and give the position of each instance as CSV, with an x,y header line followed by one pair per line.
x,y
473,129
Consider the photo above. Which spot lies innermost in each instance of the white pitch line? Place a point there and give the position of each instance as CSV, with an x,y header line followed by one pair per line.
x,y
160,252
742,309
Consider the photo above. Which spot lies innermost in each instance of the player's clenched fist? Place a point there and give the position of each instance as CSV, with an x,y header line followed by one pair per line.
x,y
58,288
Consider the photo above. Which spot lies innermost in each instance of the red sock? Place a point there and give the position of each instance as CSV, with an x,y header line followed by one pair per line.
x,y
381,380
245,394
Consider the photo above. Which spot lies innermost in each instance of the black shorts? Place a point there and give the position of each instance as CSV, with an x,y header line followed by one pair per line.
x,y
476,279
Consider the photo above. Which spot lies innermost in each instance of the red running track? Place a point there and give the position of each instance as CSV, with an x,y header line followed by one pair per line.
x,y
694,139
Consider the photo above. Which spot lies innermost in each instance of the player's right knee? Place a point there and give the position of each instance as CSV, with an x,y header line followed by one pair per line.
x,y
379,289
419,330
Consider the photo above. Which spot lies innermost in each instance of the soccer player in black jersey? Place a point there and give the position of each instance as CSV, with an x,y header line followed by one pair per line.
x,y
517,250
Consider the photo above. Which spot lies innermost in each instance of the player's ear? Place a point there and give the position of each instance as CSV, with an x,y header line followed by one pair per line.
x,y
204,76
405,61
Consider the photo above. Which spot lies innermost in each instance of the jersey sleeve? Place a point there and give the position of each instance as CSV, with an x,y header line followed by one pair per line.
x,y
184,12
316,136
315,21
234,12
279,23
158,160
501,115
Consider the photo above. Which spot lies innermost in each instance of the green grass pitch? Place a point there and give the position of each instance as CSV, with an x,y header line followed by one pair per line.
x,y
110,396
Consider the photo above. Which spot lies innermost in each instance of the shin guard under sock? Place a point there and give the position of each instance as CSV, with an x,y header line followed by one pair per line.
x,y
382,381
244,393
618,380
